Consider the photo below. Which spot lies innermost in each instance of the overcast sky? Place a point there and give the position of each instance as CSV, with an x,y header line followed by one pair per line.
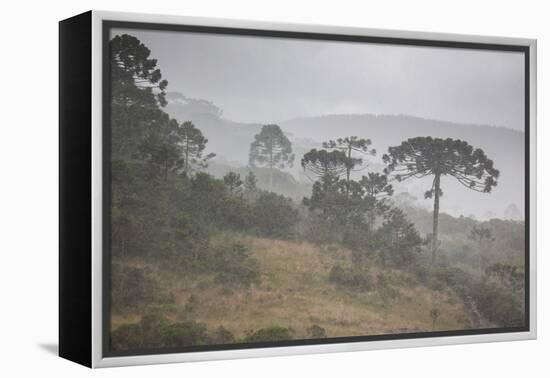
x,y
259,79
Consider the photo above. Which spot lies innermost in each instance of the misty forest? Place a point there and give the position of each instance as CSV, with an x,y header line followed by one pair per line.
x,y
225,232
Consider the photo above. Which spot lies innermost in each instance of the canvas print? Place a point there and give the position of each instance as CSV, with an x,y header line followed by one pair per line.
x,y
268,190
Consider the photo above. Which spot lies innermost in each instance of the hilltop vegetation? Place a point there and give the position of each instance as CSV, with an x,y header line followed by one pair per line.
x,y
505,146
295,290
198,259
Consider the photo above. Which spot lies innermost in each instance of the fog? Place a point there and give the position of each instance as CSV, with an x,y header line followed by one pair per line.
x,y
260,80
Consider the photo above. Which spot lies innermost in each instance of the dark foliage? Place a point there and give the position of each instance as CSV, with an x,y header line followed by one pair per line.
x,y
184,334
273,333
221,336
234,265
399,241
350,278
426,156
274,216
127,337
316,332
499,305
132,287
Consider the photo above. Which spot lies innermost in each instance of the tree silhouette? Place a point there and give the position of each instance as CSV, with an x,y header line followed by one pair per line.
x,y
130,63
375,187
250,183
353,148
326,166
271,148
137,93
193,144
160,148
399,239
509,276
233,182
424,156
480,233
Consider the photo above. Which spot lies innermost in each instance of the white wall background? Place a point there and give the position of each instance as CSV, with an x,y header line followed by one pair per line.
x,y
28,188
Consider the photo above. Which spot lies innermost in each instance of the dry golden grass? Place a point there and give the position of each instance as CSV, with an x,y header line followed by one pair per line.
x,y
295,292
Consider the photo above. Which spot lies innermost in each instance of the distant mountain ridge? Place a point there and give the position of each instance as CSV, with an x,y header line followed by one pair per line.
x,y
231,140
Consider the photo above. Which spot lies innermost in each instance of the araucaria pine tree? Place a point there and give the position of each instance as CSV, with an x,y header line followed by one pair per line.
x,y
271,148
355,149
426,156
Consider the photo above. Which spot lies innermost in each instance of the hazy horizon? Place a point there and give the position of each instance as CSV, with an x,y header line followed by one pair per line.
x,y
268,80
455,93
345,114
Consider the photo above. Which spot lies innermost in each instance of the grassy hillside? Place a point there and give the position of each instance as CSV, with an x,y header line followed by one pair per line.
x,y
294,291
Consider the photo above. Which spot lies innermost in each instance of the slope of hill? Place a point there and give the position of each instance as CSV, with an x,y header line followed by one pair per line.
x,y
295,292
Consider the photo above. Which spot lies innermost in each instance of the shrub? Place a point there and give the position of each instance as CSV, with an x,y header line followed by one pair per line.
x,y
273,333
236,214
191,304
318,230
358,239
399,241
499,305
184,334
451,278
274,216
385,288
350,278
152,324
234,265
222,336
126,337
316,332
131,287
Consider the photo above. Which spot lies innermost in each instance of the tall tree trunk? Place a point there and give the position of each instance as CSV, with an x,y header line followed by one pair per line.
x,y
187,158
271,169
436,216
371,218
348,172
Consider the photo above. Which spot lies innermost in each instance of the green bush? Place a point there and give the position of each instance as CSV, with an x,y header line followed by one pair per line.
x,y
131,287
349,278
398,239
316,332
359,239
454,278
274,216
184,334
318,230
499,305
235,266
385,287
126,337
152,325
222,336
273,333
